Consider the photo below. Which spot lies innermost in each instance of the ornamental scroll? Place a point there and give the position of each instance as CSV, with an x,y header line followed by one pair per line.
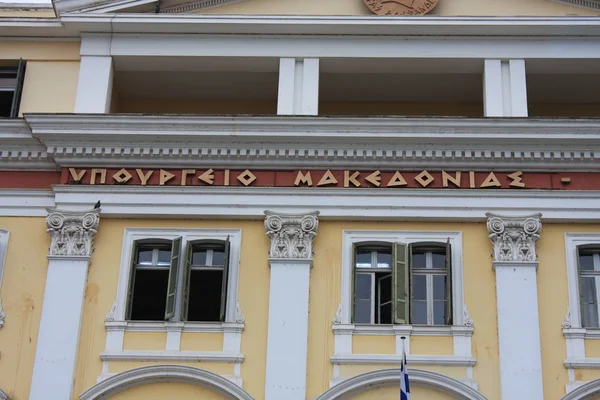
x,y
401,7
72,232
291,234
514,238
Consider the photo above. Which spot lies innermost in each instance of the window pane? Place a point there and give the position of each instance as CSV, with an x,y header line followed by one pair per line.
x,y
363,289
218,257
439,287
590,306
205,295
385,316
419,287
384,259
439,260
363,302
586,262
419,314
164,257
149,295
363,259
6,99
199,257
145,256
385,289
418,259
439,312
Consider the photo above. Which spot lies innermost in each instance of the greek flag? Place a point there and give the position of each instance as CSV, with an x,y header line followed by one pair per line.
x,y
404,387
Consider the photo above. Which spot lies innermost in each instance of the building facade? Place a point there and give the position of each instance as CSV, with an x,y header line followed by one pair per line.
x,y
269,199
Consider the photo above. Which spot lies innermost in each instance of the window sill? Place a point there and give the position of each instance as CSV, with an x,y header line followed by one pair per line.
x,y
174,356
167,326
408,330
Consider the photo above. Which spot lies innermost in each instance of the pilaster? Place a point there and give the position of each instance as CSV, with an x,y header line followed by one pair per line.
x,y
505,88
290,259
94,88
514,240
298,86
72,233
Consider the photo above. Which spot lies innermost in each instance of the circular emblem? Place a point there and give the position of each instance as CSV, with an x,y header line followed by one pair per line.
x,y
400,7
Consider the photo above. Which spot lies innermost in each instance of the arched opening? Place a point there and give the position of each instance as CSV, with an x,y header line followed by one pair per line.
x,y
391,377
589,391
165,373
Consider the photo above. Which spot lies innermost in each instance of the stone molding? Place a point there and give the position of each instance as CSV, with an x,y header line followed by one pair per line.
x,y
72,232
514,238
291,234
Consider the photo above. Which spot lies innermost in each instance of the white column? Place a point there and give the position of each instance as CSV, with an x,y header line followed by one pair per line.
x,y
58,339
505,88
514,240
298,86
94,88
287,339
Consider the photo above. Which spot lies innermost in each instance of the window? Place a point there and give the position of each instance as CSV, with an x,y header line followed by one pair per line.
x,y
11,85
166,286
588,265
402,283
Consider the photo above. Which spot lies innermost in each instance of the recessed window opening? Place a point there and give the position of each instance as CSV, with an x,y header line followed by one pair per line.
x,y
589,285
11,85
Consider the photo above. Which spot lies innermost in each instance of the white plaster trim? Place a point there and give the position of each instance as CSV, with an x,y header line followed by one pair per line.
x,y
169,355
583,390
165,373
396,359
4,237
26,202
351,237
587,4
133,234
412,330
216,142
3,395
391,377
192,327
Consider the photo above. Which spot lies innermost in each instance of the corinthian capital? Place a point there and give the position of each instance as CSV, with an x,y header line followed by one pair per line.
x,y
72,232
514,238
291,234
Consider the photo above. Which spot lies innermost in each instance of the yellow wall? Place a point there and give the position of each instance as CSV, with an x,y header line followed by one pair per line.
x,y
191,341
50,86
167,391
432,345
357,7
374,344
67,50
144,340
102,286
392,393
183,106
15,13
22,295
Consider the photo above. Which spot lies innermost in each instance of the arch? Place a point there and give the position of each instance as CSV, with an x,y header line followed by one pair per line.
x,y
387,377
584,391
165,373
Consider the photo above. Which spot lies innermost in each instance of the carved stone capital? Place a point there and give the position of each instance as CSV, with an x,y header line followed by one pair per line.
x,y
72,232
291,234
514,238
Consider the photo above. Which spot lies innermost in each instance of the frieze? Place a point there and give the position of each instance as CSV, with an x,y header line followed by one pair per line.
x,y
433,179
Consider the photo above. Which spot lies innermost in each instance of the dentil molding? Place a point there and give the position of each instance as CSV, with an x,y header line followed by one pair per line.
x,y
291,234
514,238
72,232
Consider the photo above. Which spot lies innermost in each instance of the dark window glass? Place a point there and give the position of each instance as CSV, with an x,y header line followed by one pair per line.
x,y
205,295
149,295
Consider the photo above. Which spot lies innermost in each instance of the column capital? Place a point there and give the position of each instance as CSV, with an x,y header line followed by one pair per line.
x,y
72,232
291,234
514,238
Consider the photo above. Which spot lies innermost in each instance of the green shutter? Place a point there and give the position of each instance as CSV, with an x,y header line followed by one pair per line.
x,y
400,279
134,255
353,282
173,272
582,313
448,283
225,278
14,109
187,275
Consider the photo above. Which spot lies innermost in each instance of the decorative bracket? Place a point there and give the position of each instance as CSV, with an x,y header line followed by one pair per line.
x,y
239,316
72,232
291,234
514,238
337,318
2,315
467,320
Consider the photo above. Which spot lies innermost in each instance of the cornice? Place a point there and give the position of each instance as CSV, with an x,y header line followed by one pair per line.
x,y
589,4
294,142
20,150
74,24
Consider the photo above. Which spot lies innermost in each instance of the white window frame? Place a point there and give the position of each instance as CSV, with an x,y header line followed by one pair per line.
x,y
4,235
351,237
572,240
132,235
